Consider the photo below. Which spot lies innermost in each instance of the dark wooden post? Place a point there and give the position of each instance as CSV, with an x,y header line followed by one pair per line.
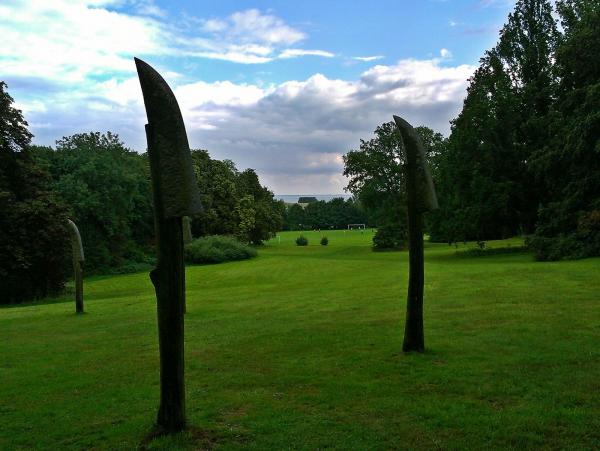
x,y
176,195
78,259
420,196
168,279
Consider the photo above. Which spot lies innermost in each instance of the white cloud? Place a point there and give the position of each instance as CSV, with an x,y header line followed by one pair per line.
x,y
70,41
251,25
445,53
368,58
294,53
294,133
214,25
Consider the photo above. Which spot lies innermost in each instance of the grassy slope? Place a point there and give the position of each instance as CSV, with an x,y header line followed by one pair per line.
x,y
299,348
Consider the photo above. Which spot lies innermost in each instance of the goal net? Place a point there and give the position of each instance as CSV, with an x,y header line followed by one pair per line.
x,y
356,226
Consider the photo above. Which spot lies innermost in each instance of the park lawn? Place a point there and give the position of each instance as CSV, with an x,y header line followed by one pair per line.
x,y
300,349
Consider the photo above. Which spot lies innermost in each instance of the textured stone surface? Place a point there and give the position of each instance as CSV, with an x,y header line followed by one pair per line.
x,y
426,197
177,183
78,259
76,243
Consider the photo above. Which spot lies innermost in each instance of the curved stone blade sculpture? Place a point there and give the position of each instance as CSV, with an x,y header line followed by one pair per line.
x,y
416,163
421,197
78,259
176,194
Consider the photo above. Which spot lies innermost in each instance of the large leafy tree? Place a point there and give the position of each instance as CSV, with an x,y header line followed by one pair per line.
x,y
234,203
376,178
107,188
33,223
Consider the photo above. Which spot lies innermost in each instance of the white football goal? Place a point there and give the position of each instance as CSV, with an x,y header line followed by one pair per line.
x,y
356,226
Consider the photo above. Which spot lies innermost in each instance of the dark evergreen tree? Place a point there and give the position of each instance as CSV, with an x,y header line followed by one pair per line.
x,y
568,167
486,181
34,239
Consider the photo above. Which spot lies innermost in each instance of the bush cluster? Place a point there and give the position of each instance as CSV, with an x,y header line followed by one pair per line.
x,y
550,243
301,241
217,249
324,241
390,236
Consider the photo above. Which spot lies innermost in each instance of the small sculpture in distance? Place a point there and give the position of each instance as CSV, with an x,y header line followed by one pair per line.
x,y
78,259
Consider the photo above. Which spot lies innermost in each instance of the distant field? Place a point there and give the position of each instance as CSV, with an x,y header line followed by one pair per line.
x,y
300,349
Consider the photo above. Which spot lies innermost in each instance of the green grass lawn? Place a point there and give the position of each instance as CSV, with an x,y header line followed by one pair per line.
x,y
300,349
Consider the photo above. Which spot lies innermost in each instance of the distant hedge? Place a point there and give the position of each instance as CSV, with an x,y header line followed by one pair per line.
x,y
217,249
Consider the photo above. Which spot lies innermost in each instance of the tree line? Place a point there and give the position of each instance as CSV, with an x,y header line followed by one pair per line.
x,y
104,187
523,156
334,214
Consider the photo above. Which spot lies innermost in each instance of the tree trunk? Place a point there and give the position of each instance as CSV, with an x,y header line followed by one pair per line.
x,y
169,282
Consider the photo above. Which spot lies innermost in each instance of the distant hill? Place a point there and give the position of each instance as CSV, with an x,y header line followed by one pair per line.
x,y
307,199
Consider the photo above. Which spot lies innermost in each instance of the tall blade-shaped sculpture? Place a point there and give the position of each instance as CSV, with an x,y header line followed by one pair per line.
x,y
420,195
78,259
176,194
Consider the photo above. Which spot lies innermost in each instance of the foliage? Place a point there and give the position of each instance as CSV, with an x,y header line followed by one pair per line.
x,y
334,214
376,178
107,188
392,235
301,241
551,242
569,166
217,249
485,178
234,202
34,240
524,153
324,241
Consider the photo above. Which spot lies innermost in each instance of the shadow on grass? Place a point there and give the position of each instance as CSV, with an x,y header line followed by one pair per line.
x,y
192,437
68,296
479,255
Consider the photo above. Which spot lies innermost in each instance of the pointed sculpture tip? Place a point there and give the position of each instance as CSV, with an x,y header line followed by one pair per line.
x,y
401,123
140,64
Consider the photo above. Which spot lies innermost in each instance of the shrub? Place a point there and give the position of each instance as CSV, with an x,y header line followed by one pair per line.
x,y
563,236
217,249
324,241
301,241
389,236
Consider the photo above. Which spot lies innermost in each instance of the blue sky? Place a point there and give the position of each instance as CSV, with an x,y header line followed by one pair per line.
x,y
284,87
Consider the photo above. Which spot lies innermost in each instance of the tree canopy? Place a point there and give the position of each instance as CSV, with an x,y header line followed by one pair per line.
x,y
376,177
234,202
34,242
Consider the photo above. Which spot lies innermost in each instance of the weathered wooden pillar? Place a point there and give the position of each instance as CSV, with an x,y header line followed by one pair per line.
x,y
420,196
176,195
78,259
187,238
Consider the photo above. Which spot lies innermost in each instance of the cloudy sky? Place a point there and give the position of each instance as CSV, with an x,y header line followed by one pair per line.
x,y
283,87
